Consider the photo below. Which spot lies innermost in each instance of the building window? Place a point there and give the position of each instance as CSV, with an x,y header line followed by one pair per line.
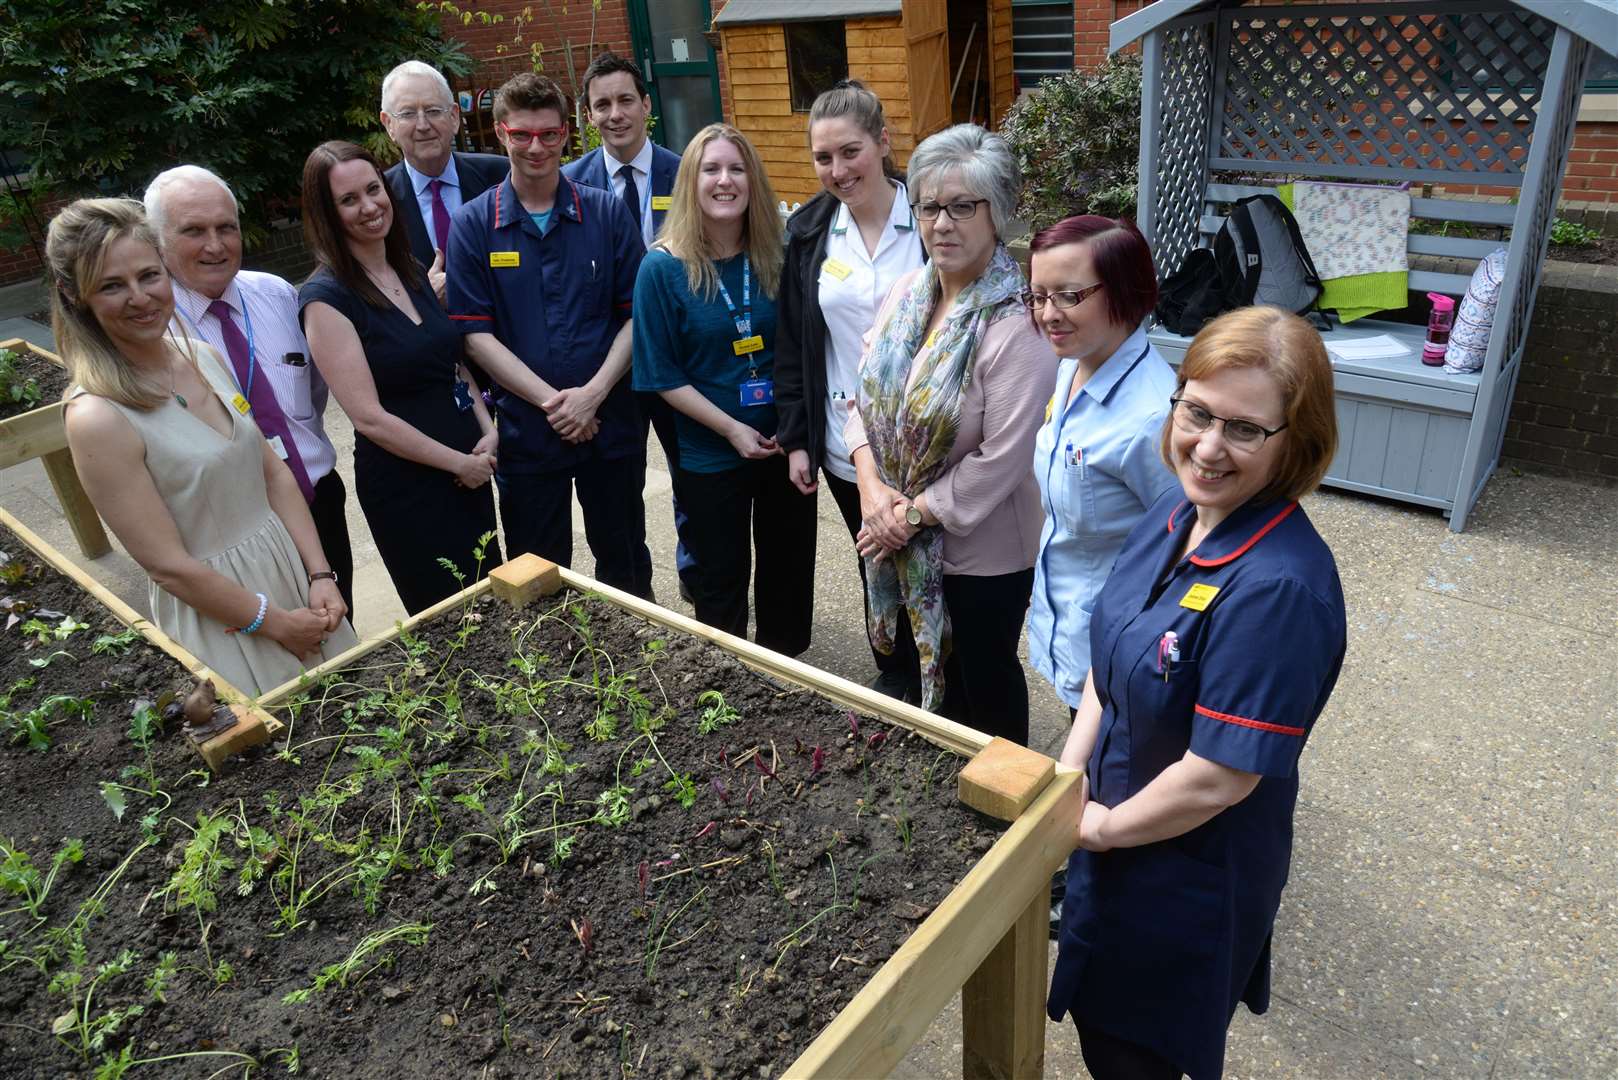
x,y
1041,40
817,57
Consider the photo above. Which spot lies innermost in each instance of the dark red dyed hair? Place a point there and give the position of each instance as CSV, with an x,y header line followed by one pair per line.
x,y
1122,261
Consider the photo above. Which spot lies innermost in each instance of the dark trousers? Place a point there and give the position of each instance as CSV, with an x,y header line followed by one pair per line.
x,y
660,416
743,515
331,525
537,512
1111,1058
984,687
902,662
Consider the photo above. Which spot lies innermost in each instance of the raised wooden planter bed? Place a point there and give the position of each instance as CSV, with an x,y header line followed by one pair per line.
x,y
40,434
254,726
240,989
987,937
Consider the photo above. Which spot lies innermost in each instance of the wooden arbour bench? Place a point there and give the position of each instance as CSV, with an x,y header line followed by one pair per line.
x,y
1380,92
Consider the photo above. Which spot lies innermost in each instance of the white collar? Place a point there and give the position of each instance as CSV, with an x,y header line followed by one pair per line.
x,y
419,180
195,305
641,162
899,214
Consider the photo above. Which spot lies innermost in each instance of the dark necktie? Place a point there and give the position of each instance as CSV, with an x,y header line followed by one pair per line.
x,y
267,412
440,216
631,194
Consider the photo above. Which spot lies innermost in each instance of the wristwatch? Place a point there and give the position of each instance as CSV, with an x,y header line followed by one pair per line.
x,y
330,575
913,514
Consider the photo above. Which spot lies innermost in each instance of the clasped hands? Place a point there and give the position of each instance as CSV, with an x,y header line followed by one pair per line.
x,y
301,631
886,529
572,413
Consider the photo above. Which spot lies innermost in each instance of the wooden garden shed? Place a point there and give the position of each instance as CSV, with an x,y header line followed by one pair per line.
x,y
1237,98
933,63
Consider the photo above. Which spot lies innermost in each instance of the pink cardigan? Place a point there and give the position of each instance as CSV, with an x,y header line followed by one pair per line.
x,y
987,498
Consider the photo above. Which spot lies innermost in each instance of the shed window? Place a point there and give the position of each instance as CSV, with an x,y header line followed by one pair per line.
x,y
817,57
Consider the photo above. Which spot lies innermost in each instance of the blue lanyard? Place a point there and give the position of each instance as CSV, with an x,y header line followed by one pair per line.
x,y
252,352
744,321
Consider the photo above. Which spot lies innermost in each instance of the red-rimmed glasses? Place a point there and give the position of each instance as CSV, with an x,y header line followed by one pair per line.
x,y
521,137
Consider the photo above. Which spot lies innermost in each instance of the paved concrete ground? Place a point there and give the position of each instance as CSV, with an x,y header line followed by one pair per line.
x,y
1453,908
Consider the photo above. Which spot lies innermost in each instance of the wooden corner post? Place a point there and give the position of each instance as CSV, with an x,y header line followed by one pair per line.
x,y
1003,1002
525,579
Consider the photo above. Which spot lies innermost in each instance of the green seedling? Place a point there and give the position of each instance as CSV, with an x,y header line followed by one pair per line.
x,y
80,1028
50,658
115,644
17,389
114,1066
33,727
352,969
715,713
20,878
44,633
655,949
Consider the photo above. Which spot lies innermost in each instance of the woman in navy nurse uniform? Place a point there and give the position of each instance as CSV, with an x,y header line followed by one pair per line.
x,y
1214,646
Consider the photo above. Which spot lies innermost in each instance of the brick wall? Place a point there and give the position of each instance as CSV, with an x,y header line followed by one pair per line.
x,y
1564,416
499,54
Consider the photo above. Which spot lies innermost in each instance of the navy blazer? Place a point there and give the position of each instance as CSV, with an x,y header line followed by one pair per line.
x,y
591,171
477,174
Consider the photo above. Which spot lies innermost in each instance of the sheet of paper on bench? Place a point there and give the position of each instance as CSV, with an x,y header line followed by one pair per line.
x,y
1376,347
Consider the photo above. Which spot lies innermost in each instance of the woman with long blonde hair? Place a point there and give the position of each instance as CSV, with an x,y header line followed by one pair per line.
x,y
705,340
171,458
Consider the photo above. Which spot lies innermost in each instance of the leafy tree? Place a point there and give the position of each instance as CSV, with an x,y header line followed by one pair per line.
x,y
1077,139
104,94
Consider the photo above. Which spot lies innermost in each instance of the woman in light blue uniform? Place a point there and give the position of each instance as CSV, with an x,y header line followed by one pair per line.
x,y
1096,458
1215,645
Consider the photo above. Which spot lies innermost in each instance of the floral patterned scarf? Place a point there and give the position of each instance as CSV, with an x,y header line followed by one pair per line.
x,y
911,425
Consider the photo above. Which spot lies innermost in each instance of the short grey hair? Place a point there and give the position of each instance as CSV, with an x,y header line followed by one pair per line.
x,y
415,67
157,191
981,159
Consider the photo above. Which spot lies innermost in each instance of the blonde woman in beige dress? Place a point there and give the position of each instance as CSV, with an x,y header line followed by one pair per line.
x,y
173,462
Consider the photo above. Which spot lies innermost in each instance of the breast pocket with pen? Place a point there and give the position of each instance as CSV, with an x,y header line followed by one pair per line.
x,y
1081,499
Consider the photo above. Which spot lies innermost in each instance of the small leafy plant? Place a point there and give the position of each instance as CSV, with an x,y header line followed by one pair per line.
x,y
715,713
21,879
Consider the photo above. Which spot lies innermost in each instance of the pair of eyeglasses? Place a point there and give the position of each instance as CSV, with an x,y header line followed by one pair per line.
x,y
1193,419
1064,299
433,113
959,210
520,137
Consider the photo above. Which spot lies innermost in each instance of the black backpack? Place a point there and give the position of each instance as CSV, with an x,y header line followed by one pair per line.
x,y
1258,257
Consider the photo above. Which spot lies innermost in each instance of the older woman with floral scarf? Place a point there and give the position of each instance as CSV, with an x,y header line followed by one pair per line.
x,y
952,392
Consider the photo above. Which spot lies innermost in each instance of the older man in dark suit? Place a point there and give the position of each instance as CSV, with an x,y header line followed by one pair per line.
x,y
433,180
637,170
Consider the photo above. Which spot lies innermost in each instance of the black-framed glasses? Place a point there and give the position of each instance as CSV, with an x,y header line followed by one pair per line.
x,y
959,210
1193,419
1064,299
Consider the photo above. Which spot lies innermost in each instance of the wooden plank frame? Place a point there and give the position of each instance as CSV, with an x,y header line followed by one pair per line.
x,y
253,727
40,433
987,939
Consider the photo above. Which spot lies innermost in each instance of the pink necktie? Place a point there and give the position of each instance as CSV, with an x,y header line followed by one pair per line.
x,y
267,412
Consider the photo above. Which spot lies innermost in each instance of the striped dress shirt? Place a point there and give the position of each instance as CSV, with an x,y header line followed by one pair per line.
x,y
272,308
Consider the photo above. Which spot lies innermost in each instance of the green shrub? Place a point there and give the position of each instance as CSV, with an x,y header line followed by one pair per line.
x,y
1077,138
104,96
1572,234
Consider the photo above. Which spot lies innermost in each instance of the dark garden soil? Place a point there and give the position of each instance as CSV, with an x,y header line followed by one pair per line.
x,y
27,382
1603,252
472,855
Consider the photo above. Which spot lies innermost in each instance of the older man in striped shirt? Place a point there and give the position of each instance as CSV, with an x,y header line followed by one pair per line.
x,y
251,319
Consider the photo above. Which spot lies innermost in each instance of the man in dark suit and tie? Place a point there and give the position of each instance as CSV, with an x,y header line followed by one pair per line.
x,y
637,170
433,180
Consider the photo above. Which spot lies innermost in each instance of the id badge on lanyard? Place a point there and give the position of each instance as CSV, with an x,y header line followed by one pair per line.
x,y
754,391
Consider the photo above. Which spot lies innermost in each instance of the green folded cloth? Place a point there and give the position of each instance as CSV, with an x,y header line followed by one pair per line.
x,y
1358,295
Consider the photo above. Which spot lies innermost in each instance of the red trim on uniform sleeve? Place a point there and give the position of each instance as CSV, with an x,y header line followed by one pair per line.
x,y
472,318
1279,729
625,306
1255,538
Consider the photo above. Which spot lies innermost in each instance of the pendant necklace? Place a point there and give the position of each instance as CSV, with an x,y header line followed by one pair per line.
x,y
179,397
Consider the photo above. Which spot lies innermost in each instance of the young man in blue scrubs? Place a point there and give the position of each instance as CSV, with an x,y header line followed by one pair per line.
x,y
541,275
641,173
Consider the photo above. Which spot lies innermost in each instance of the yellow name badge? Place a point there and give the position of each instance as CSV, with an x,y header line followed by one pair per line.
x,y
1198,597
836,269
240,404
743,346
662,202
505,258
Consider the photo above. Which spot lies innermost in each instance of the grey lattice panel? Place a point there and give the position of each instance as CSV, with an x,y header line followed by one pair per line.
x,y
1426,96
1187,105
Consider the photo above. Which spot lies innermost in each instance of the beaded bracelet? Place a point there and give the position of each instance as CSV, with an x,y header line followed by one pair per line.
x,y
258,620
